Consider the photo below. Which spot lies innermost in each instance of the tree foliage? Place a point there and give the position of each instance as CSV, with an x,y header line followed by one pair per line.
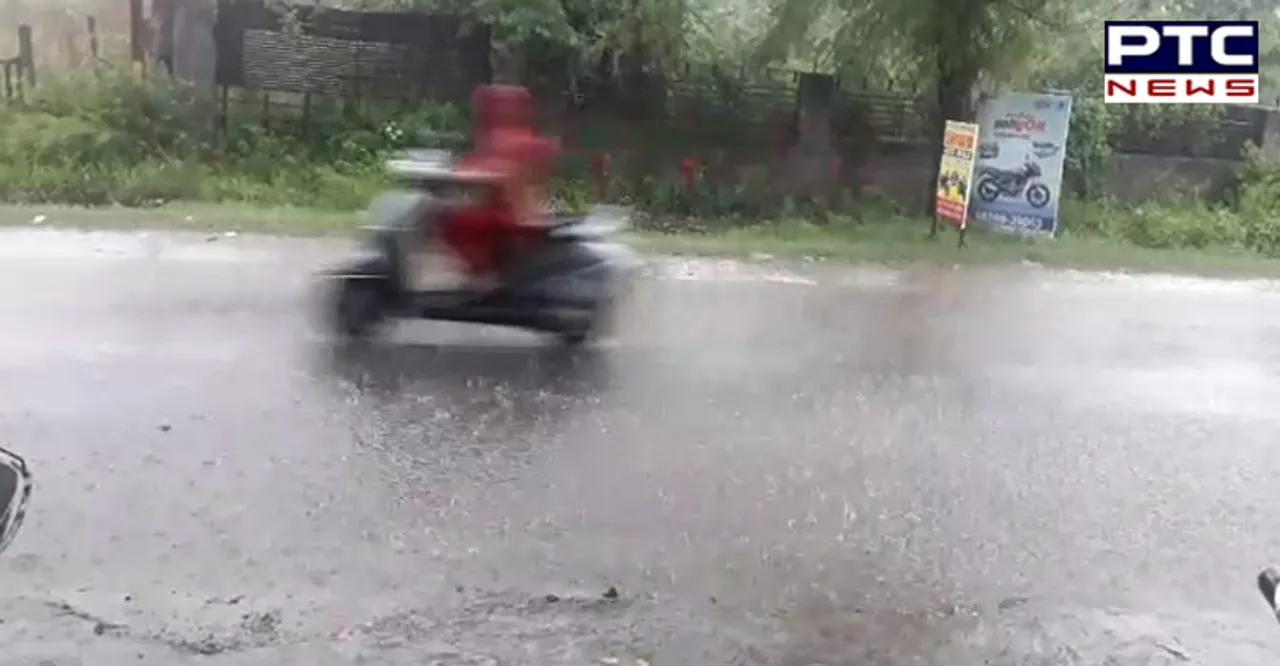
x,y
950,51
914,45
919,45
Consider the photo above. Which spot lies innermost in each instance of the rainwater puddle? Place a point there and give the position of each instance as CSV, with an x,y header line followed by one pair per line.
x,y
1158,282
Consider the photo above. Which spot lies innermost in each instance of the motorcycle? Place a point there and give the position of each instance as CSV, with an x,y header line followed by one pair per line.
x,y
15,493
995,182
569,286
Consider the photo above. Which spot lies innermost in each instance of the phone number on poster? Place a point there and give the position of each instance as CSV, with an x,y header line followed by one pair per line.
x,y
1023,222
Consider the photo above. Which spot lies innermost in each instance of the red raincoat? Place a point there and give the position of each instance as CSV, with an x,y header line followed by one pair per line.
x,y
506,145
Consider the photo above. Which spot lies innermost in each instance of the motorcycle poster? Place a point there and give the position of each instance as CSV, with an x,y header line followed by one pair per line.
x,y
1018,177
955,173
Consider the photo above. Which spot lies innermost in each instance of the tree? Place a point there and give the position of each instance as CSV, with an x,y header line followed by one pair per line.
x,y
946,46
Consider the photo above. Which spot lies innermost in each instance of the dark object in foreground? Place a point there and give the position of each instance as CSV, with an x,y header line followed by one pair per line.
x,y
15,492
1268,582
569,285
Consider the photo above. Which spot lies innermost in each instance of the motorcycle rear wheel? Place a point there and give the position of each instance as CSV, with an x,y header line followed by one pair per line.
x,y
358,307
591,327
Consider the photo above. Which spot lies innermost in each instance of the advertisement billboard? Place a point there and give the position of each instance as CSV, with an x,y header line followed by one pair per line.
x,y
1018,178
959,150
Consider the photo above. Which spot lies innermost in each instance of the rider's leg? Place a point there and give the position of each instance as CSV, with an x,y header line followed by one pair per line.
x,y
469,233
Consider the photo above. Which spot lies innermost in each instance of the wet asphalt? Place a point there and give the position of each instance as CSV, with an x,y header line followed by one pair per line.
x,y
790,465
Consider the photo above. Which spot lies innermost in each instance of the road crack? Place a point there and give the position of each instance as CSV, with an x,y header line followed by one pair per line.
x,y
255,630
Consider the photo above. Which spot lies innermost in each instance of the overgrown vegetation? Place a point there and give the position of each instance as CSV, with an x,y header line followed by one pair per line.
x,y
110,139
106,138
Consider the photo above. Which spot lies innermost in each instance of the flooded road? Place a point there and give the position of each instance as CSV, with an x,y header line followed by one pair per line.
x,y
790,466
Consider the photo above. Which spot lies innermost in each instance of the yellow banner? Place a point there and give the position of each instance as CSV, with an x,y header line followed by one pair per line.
x,y
959,152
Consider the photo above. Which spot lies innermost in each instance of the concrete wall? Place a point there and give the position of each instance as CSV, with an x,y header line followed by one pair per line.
x,y
904,177
1137,178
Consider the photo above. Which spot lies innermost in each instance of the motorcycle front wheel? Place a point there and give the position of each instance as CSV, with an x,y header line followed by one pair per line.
x,y
1038,195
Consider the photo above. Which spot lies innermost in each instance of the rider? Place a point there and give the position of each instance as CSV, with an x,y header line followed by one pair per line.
x,y
512,160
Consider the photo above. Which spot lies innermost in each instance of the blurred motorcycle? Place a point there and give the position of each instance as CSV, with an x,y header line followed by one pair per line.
x,y
571,286
15,492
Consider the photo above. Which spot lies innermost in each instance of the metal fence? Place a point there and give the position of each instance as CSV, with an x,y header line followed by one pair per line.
x,y
417,56
18,73
319,51
885,118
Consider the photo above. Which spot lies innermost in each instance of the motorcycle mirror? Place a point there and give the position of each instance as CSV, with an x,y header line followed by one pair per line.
x,y
15,492
1268,582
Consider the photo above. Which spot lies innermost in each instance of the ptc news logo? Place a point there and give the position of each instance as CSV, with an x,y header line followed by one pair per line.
x,y
1182,62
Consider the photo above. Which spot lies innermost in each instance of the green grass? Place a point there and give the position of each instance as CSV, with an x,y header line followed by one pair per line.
x,y
896,242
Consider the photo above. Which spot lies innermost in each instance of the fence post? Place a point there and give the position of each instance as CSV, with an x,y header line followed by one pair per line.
x,y
600,175
91,26
26,55
137,45
71,50
163,13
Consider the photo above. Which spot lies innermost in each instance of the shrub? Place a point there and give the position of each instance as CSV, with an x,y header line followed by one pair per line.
x,y
108,138
1256,197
